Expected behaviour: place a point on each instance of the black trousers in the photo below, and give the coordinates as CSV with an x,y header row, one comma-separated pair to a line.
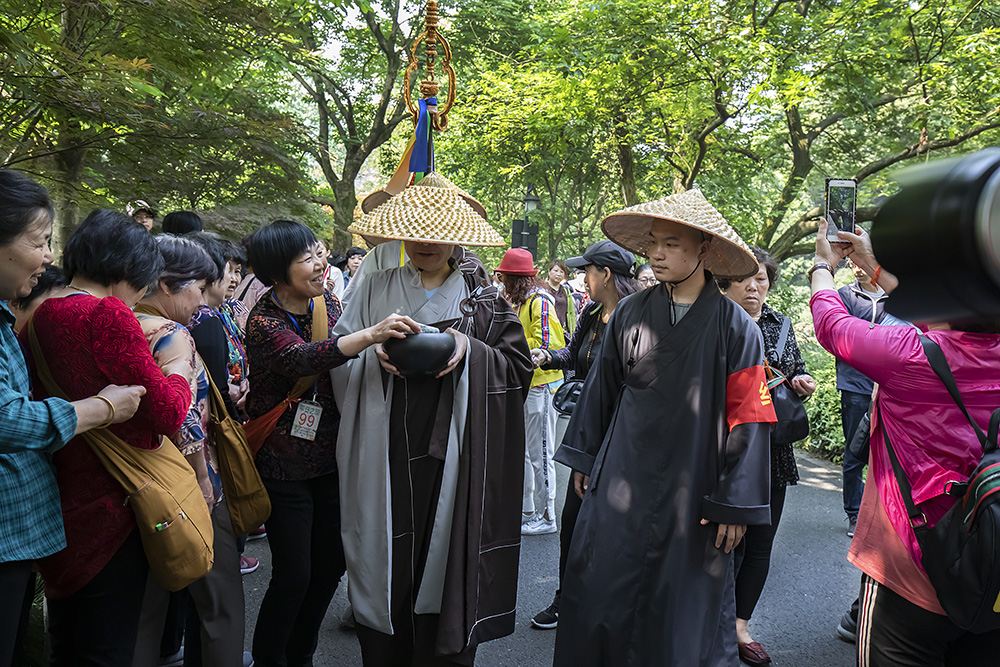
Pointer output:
x,y
753,557
853,407
567,522
307,562
97,625
17,589
894,632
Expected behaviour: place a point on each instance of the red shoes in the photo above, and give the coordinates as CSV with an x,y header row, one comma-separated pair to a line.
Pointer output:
x,y
754,654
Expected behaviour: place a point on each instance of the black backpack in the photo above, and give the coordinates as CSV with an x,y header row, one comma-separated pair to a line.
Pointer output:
x,y
961,552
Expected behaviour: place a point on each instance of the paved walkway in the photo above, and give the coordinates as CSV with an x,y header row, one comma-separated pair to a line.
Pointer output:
x,y
810,586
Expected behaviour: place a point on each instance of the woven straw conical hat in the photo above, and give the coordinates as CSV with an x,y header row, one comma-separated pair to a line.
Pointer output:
x,y
728,255
433,211
379,197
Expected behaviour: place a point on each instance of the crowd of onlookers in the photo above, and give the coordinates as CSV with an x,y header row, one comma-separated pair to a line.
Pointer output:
x,y
406,482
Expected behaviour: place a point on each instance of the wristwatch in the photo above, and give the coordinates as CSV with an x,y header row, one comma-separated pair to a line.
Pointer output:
x,y
820,265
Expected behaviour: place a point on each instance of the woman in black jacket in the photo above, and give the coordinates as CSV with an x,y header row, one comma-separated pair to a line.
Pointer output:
x,y
753,556
609,278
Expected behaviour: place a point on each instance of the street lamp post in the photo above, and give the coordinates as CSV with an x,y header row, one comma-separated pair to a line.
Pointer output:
x,y
524,234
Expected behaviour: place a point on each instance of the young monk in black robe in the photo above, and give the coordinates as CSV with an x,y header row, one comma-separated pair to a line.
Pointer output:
x,y
431,468
672,429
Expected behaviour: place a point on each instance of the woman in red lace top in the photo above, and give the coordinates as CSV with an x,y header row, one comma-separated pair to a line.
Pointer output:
x,y
91,338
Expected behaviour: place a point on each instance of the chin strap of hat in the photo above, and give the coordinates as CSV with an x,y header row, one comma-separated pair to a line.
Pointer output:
x,y
671,284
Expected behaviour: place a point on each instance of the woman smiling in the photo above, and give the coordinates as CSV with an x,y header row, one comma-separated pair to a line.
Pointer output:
x,y
298,465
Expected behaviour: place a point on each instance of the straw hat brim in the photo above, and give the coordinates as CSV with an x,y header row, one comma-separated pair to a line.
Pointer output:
x,y
430,211
728,255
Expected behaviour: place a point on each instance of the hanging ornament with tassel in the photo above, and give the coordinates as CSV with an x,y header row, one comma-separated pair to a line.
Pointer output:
x,y
428,118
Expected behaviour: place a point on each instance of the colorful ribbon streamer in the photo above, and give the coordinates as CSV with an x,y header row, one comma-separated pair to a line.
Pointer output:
x,y
422,158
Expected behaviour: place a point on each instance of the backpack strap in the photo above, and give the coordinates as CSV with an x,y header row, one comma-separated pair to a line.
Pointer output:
x,y
991,435
786,326
935,355
917,518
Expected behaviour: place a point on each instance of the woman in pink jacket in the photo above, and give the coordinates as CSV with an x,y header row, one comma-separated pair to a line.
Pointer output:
x,y
902,622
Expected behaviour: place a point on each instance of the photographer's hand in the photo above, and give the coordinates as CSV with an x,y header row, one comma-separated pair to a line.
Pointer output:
x,y
830,253
826,253
863,255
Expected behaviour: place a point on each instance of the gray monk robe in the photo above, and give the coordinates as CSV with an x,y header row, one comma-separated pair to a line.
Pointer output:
x,y
431,471
683,435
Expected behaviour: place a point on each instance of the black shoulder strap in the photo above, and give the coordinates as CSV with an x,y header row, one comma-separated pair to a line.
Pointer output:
x,y
935,355
917,518
786,326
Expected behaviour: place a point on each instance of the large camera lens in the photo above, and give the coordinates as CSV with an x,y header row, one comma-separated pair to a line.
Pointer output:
x,y
940,235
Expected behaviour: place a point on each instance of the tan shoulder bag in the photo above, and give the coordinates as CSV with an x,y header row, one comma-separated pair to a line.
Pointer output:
x,y
174,522
246,497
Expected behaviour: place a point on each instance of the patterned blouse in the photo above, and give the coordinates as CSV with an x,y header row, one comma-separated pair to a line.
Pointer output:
x,y
171,342
278,354
783,468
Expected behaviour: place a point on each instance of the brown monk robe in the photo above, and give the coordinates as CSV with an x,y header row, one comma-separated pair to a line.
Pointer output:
x,y
433,569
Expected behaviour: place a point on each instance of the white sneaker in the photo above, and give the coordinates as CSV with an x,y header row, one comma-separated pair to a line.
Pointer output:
x,y
528,518
540,526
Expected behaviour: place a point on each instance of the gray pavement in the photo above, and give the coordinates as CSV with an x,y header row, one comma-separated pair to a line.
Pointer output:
x,y
810,586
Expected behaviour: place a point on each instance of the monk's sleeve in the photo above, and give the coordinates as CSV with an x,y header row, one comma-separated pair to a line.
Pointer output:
x,y
743,492
596,405
504,354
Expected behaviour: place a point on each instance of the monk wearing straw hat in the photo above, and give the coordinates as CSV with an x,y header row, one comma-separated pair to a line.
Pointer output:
x,y
431,468
670,440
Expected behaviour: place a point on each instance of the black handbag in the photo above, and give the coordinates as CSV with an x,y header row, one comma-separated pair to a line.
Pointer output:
x,y
566,396
961,552
860,444
793,422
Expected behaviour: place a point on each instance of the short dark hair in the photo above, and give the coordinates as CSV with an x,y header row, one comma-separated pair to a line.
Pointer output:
x,y
184,262
109,247
52,279
763,257
561,264
336,259
274,247
182,222
355,250
234,252
22,203
215,247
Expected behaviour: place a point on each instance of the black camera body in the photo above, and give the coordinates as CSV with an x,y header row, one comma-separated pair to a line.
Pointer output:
x,y
940,235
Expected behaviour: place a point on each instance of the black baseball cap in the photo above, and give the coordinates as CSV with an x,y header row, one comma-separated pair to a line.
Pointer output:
x,y
609,254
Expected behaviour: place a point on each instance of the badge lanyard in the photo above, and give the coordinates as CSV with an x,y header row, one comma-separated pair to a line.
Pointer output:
x,y
305,423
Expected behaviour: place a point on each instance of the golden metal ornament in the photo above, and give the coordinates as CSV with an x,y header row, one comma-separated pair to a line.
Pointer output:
x,y
430,87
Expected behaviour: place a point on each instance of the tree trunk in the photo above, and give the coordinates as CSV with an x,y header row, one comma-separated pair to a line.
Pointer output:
x,y
68,166
343,211
626,161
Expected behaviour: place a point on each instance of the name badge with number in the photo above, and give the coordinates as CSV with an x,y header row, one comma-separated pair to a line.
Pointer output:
x,y
306,420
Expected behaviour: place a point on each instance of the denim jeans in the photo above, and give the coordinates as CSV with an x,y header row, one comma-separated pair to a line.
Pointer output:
x,y
853,407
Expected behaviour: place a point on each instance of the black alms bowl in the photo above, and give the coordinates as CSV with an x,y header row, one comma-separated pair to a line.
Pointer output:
x,y
420,354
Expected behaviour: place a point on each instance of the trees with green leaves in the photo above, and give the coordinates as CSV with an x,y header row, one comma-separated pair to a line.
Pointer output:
x,y
755,104
112,100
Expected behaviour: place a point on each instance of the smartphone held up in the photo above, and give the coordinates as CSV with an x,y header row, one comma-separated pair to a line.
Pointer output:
x,y
841,207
